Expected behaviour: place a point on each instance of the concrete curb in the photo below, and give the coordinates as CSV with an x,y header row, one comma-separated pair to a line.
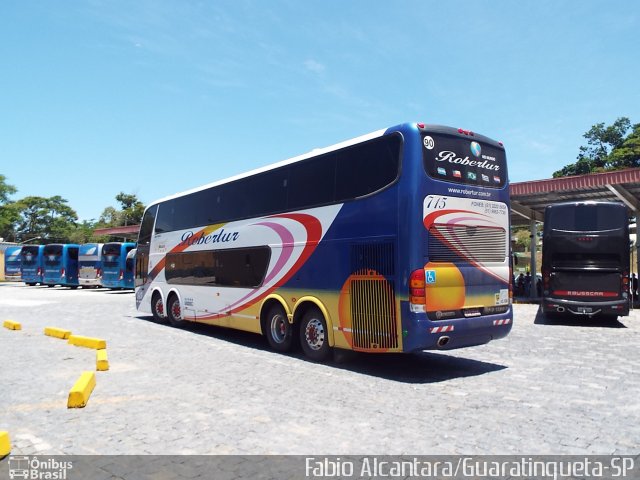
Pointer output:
x,y
57,332
88,342
11,325
5,444
80,392
102,362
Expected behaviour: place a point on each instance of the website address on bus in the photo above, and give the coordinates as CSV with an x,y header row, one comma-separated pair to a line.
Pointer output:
x,y
494,467
469,193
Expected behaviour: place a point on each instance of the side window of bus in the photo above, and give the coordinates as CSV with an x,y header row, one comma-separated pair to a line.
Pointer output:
x,y
241,267
312,182
267,192
146,228
164,220
367,168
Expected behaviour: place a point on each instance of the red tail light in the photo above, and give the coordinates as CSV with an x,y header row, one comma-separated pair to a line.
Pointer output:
x,y
39,271
625,282
62,272
99,272
417,291
121,275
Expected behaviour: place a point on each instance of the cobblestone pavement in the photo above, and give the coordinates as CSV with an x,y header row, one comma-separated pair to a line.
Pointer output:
x,y
560,388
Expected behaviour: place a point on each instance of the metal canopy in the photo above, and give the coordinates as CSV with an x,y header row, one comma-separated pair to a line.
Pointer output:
x,y
130,232
529,199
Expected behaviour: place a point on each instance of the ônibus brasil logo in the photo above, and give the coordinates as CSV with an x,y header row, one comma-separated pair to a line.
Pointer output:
x,y
475,149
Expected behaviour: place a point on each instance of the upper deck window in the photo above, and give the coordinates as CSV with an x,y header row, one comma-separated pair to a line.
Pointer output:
x,y
334,177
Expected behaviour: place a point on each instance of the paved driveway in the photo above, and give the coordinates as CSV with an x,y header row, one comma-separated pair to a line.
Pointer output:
x,y
570,387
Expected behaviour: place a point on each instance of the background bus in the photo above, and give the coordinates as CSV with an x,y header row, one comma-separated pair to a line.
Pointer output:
x,y
90,265
396,241
12,263
61,264
117,271
32,264
585,259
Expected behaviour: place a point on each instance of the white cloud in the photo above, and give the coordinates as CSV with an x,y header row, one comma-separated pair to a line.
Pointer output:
x,y
313,66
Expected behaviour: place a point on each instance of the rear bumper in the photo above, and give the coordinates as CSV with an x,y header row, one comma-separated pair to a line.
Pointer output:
x,y
425,334
585,309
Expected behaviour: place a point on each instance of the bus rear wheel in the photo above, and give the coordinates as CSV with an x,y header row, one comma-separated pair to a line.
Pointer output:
x,y
314,336
174,312
278,329
157,307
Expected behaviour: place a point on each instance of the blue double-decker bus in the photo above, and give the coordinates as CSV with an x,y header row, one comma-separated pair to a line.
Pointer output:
x,y
61,264
396,241
117,271
32,264
12,262
90,265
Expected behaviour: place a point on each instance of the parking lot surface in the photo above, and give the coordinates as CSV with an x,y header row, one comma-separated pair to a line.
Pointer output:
x,y
568,387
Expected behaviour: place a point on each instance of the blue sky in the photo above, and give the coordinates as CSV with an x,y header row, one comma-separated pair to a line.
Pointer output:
x,y
156,97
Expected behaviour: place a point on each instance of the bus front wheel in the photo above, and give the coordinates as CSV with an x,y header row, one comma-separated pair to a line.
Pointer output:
x,y
279,331
314,336
174,312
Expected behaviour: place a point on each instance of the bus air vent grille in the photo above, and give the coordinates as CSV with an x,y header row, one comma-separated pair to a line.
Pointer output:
x,y
454,243
373,256
373,313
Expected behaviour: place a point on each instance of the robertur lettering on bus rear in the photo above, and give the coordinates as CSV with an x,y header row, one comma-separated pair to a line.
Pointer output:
x,y
189,238
447,156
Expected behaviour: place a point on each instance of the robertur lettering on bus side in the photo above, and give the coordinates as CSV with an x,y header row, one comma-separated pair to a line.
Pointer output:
x,y
189,238
448,156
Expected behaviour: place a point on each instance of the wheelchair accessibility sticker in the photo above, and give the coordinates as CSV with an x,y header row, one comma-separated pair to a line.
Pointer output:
x,y
430,276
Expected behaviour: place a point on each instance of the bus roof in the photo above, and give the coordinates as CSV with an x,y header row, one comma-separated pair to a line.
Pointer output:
x,y
585,202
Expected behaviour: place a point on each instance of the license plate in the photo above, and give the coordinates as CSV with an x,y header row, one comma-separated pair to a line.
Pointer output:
x,y
585,310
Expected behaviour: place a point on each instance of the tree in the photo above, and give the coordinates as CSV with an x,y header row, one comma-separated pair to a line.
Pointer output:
x,y
608,148
627,154
132,208
50,218
8,213
131,212
6,190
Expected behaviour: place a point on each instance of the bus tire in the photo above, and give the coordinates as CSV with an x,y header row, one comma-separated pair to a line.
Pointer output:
x,y
314,337
278,329
157,307
174,312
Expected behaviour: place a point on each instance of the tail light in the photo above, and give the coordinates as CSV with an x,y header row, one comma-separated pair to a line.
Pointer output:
x,y
62,272
417,291
625,283
39,273
121,275
99,273
546,278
